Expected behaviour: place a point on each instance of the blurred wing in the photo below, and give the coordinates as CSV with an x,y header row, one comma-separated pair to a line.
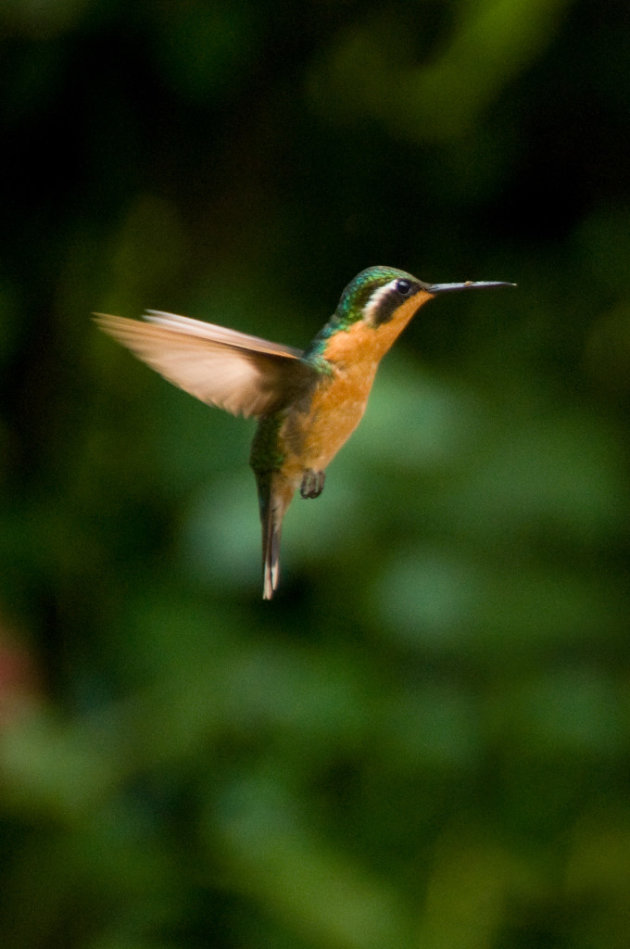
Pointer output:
x,y
219,334
243,374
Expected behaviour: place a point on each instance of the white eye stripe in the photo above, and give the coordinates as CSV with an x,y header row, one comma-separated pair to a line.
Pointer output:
x,y
373,304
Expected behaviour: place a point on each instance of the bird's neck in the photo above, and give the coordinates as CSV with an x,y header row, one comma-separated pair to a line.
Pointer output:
x,y
364,344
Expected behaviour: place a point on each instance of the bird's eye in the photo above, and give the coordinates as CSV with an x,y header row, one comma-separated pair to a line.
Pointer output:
x,y
403,287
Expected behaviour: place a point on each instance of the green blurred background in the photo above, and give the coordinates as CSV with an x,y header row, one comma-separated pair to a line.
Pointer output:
x,y
423,742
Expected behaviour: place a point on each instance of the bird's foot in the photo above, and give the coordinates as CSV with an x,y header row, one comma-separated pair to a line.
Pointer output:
x,y
312,483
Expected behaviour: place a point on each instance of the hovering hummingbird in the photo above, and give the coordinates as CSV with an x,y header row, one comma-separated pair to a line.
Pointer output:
x,y
307,402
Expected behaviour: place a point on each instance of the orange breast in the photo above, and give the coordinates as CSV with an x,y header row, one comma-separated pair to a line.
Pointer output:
x,y
313,437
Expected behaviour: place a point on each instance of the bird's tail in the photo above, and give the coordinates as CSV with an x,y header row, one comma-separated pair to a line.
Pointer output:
x,y
274,494
271,555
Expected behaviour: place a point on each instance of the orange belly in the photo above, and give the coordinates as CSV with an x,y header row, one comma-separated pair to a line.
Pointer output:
x,y
311,437
335,411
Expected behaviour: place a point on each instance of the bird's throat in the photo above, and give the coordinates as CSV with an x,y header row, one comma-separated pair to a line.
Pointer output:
x,y
364,343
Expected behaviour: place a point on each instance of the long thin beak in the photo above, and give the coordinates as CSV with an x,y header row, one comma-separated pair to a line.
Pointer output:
x,y
467,285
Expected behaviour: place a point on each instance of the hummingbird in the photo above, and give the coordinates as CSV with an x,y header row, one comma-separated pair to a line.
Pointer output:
x,y
307,402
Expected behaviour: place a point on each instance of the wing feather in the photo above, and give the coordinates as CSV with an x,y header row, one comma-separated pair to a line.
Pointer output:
x,y
220,334
245,375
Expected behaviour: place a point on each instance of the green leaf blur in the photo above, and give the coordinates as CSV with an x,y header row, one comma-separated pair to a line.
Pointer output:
x,y
423,741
